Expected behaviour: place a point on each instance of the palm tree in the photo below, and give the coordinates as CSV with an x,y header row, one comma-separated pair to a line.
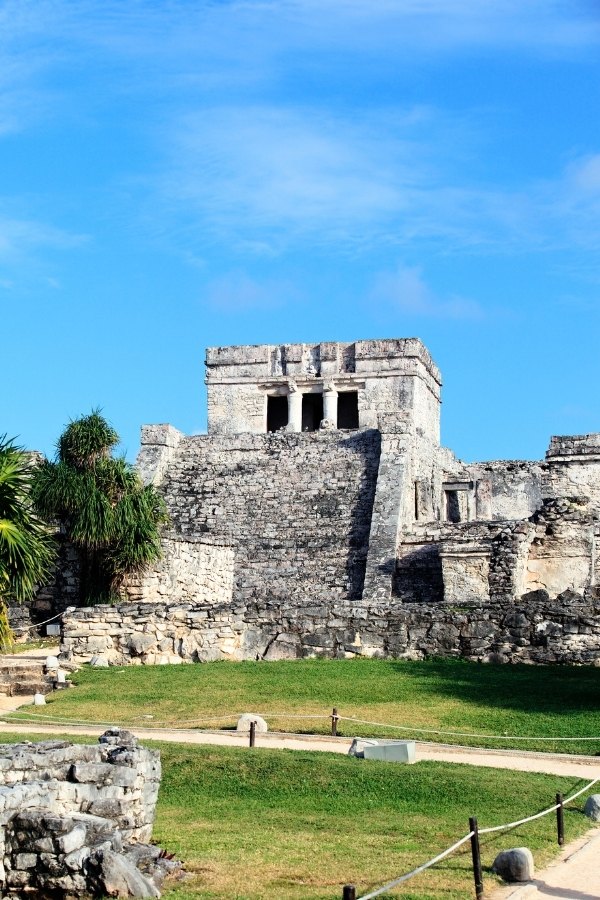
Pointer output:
x,y
26,543
111,518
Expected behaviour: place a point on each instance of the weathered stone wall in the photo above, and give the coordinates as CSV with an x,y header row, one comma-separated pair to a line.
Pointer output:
x,y
390,376
188,571
506,489
66,812
109,779
573,468
535,629
294,508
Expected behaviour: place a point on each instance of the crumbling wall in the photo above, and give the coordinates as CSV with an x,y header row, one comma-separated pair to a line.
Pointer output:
x,y
74,818
562,552
533,629
506,489
573,468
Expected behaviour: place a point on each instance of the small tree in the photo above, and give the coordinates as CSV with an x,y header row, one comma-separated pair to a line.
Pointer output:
x,y
111,518
27,548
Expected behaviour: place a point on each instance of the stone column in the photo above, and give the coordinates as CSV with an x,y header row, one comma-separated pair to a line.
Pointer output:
x,y
483,499
294,407
330,402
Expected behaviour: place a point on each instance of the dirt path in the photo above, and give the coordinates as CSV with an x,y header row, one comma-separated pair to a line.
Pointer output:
x,y
586,767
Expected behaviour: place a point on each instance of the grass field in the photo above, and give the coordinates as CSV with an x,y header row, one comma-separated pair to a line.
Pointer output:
x,y
281,825
446,695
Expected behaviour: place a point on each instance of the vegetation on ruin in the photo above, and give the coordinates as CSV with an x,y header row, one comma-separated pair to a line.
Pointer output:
x,y
26,544
266,824
108,514
437,694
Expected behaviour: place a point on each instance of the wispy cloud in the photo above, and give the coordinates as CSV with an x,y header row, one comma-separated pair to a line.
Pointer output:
x,y
405,290
199,47
243,163
238,292
261,176
18,237
272,169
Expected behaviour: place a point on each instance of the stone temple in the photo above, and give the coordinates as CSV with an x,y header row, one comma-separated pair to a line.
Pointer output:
x,y
320,515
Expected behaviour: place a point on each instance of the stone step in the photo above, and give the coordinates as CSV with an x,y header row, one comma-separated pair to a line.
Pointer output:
x,y
24,678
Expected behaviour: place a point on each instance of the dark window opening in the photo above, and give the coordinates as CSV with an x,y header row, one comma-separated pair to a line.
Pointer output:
x,y
452,506
417,491
312,411
347,416
277,413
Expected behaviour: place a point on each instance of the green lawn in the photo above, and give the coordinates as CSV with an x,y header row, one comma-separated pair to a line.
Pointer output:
x,y
449,695
283,825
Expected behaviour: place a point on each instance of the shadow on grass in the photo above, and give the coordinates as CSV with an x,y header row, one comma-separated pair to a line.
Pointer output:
x,y
556,690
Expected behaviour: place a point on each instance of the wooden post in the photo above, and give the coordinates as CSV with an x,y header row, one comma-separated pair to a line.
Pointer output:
x,y
334,721
349,892
252,733
560,820
477,874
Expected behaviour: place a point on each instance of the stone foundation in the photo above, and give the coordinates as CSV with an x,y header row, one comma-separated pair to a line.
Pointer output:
x,y
534,630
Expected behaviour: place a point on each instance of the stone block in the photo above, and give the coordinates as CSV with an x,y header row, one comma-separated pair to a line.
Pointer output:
x,y
391,751
514,865
245,719
73,840
592,807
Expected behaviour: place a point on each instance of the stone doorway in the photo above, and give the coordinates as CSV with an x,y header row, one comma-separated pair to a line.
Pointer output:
x,y
277,413
312,411
347,414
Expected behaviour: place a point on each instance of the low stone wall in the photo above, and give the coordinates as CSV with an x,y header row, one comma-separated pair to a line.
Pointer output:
x,y
73,818
535,629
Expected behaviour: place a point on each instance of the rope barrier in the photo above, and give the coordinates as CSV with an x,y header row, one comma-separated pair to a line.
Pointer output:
x,y
427,865
280,715
539,815
38,624
495,828
492,737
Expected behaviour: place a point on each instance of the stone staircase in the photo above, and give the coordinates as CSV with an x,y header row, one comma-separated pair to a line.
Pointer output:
x,y
25,675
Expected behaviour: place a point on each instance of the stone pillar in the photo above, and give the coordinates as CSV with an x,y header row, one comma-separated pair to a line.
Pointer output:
x,y
483,499
294,407
330,402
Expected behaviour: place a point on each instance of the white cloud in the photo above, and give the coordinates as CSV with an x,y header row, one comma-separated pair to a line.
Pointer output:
x,y
405,290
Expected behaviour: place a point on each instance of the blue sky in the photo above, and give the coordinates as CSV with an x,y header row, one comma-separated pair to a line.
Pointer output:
x,y
175,175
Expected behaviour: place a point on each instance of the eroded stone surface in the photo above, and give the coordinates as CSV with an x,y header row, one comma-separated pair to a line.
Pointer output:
x,y
74,819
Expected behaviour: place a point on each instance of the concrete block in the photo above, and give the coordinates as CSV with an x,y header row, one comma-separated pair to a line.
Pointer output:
x,y
391,751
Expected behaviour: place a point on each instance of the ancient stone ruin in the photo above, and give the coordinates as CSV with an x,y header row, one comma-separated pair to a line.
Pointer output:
x,y
75,820
320,515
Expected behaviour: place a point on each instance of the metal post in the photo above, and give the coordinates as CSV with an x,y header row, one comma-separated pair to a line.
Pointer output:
x,y
477,873
560,820
349,892
252,733
334,721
